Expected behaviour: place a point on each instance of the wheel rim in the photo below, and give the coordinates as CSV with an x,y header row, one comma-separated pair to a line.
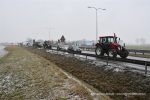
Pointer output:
x,y
98,51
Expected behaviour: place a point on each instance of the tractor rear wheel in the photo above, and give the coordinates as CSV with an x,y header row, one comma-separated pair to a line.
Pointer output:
x,y
99,51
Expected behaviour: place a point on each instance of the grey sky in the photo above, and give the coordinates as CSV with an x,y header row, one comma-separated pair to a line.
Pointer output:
x,y
22,19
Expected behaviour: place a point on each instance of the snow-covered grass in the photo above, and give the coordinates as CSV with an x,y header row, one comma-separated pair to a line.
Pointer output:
x,y
24,75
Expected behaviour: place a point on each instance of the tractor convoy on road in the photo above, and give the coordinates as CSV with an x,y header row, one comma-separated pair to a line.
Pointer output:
x,y
106,45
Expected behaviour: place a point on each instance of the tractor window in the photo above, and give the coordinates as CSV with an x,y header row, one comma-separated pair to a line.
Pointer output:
x,y
107,39
110,39
104,40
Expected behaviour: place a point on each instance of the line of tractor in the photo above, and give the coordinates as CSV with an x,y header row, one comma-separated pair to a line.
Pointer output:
x,y
106,45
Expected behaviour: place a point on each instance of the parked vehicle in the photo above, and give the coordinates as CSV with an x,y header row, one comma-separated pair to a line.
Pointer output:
x,y
74,49
37,45
62,47
47,45
110,45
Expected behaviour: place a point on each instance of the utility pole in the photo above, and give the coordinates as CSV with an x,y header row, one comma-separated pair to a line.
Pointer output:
x,y
50,29
96,9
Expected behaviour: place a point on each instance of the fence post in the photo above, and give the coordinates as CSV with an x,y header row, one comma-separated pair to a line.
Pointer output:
x,y
145,67
107,61
86,57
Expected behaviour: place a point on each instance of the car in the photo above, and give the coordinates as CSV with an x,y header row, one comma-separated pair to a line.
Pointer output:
x,y
37,45
62,47
74,49
47,45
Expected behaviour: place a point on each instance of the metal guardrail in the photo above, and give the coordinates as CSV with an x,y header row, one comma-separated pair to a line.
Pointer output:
x,y
134,61
87,47
139,51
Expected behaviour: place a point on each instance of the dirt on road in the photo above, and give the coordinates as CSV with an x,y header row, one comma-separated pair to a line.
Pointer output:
x,y
118,85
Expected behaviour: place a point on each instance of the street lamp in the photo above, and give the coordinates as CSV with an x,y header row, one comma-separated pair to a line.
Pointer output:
x,y
50,30
96,9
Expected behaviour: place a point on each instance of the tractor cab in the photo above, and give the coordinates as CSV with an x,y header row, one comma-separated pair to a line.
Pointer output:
x,y
108,39
111,46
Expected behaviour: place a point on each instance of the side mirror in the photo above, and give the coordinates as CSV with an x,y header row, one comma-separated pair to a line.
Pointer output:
x,y
119,40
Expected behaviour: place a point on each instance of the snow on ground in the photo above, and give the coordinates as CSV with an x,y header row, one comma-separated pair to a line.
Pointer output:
x,y
2,51
24,75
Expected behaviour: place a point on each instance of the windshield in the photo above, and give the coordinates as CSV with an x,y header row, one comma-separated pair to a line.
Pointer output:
x,y
108,39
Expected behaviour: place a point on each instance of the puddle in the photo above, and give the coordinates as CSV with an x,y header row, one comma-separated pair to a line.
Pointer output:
x,y
2,51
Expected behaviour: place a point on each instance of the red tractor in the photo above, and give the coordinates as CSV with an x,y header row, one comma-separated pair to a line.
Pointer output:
x,y
110,45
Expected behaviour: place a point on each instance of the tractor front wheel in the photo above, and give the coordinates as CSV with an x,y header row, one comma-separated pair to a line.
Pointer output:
x,y
124,54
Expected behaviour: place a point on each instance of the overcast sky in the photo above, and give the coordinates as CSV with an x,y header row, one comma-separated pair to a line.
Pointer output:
x,y
22,19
